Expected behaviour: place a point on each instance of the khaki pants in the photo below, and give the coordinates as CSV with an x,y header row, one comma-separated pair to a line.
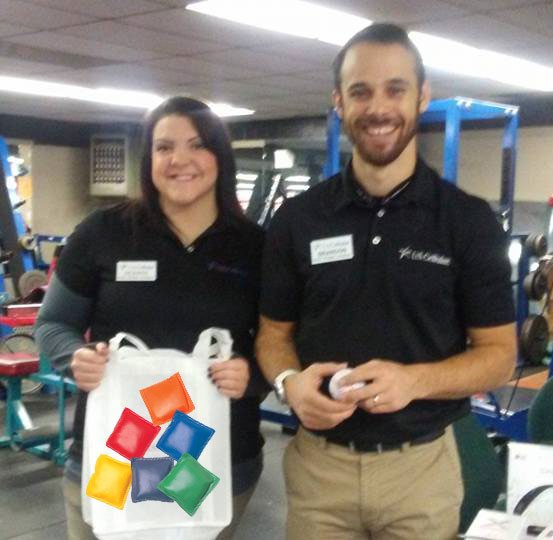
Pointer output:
x,y
335,493
77,529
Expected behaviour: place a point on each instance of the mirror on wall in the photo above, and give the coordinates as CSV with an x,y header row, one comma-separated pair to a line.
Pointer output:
x,y
269,171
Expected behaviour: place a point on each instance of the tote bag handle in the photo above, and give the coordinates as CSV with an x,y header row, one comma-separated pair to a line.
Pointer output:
x,y
214,343
115,342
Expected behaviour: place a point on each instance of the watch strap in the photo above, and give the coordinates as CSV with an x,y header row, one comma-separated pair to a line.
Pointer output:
x,y
278,383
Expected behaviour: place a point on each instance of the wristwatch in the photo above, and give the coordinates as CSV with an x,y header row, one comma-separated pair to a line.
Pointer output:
x,y
278,384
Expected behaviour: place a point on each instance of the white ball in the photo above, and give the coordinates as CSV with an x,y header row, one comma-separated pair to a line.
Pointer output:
x,y
336,391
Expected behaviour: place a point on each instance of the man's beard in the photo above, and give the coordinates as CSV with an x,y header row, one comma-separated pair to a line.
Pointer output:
x,y
375,156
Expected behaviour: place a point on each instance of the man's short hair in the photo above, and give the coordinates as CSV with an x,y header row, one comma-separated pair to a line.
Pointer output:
x,y
386,33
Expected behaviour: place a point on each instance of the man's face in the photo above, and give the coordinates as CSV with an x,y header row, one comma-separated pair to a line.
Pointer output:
x,y
379,100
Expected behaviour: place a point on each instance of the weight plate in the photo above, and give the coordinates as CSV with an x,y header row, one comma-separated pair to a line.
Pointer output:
x,y
536,244
535,285
533,340
31,280
28,242
539,285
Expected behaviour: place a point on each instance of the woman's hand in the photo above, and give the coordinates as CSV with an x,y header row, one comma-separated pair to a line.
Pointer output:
x,y
231,377
88,366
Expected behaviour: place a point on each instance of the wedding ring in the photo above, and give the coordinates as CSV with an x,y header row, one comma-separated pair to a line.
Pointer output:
x,y
375,399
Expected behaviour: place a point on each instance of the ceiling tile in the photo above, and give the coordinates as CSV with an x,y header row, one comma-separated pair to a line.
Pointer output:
x,y
22,68
55,59
536,18
489,5
188,23
541,55
398,11
292,84
466,86
141,38
308,51
194,70
66,109
10,29
251,59
125,76
228,90
323,77
483,31
406,12
39,17
174,3
260,96
320,101
67,43
104,9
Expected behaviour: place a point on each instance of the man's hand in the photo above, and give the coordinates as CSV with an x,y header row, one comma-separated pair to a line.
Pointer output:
x,y
88,366
314,409
231,376
390,386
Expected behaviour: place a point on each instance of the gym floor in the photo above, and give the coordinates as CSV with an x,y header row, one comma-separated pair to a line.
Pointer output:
x,y
31,501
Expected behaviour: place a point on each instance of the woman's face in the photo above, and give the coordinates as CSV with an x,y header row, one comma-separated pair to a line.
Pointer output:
x,y
183,170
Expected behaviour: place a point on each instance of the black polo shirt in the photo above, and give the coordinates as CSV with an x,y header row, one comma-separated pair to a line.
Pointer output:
x,y
399,278
212,283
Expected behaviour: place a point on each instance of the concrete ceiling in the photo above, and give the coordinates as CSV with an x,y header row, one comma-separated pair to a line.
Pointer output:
x,y
159,46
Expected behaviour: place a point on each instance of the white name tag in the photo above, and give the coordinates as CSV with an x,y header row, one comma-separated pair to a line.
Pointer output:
x,y
336,248
136,271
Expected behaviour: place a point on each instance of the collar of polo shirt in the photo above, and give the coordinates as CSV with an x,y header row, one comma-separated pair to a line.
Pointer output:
x,y
415,189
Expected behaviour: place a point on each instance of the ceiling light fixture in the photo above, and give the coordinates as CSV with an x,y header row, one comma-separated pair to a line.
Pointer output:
x,y
246,177
309,20
298,178
244,185
108,96
455,57
295,17
224,109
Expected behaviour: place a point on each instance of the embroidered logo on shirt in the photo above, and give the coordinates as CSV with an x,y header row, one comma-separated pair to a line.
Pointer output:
x,y
423,256
218,267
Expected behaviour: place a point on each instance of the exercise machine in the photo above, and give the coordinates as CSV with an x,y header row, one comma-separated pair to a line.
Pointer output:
x,y
19,360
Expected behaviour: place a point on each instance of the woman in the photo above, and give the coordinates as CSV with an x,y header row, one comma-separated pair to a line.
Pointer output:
x,y
196,265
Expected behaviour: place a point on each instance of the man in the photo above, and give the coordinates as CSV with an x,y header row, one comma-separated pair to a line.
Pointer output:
x,y
390,270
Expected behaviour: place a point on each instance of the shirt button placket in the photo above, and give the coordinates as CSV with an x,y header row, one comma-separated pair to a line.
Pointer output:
x,y
376,239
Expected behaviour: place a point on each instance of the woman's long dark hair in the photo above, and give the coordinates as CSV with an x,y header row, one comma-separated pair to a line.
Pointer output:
x,y
214,136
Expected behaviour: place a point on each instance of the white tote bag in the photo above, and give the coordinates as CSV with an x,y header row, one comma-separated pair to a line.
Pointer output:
x,y
128,370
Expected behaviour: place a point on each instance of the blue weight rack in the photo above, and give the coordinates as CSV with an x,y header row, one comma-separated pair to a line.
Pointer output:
x,y
452,112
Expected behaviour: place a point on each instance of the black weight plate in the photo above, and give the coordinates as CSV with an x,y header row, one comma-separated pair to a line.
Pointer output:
x,y
539,285
536,244
534,337
535,285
